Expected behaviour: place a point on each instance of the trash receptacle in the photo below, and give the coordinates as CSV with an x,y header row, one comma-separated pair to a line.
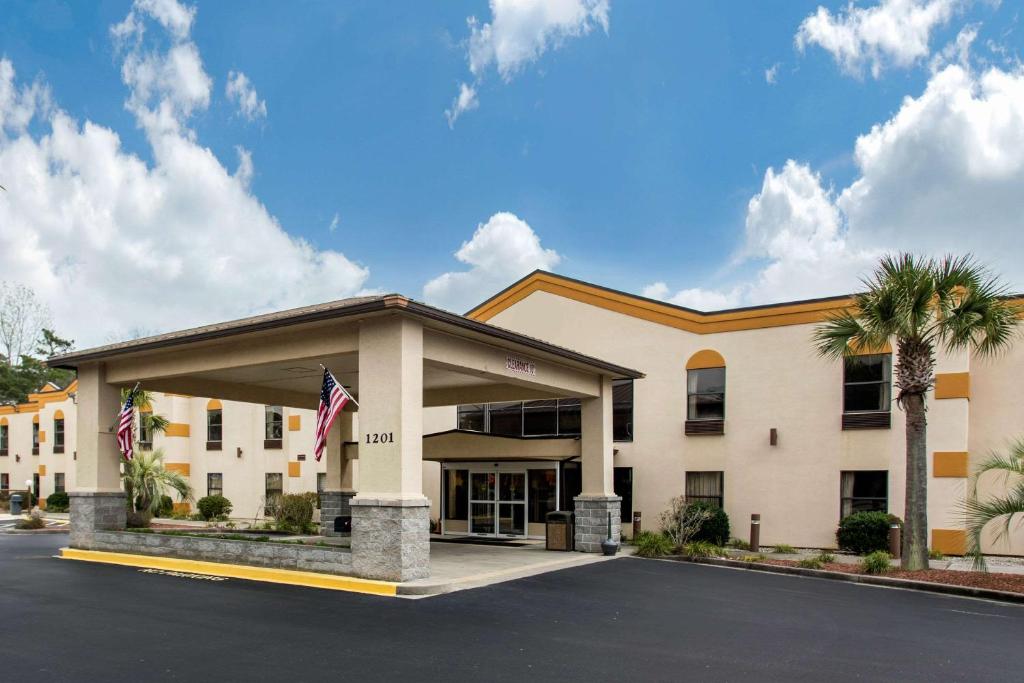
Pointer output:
x,y
16,504
560,531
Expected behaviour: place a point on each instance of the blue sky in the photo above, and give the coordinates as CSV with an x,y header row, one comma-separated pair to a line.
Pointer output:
x,y
625,148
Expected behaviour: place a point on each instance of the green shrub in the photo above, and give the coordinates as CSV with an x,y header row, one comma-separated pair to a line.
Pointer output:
x,y
739,544
213,506
784,549
651,544
876,563
811,562
865,532
166,508
702,549
58,502
714,529
826,557
935,554
753,558
295,513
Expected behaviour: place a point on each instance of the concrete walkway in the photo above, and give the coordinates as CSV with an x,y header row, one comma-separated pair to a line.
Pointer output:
x,y
995,563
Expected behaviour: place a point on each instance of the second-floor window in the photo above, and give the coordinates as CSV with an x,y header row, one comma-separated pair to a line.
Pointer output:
x,y
214,426
867,383
4,437
58,435
145,430
273,422
35,438
705,394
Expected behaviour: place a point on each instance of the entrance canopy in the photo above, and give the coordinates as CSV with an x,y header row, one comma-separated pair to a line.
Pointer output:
x,y
458,445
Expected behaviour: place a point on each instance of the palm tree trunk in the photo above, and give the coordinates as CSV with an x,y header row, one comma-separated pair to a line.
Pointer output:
x,y
914,549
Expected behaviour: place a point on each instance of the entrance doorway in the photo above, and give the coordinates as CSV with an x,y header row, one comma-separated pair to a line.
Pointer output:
x,y
497,504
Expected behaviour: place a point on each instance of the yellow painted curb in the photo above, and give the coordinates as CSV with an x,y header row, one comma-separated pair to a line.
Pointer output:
x,y
289,577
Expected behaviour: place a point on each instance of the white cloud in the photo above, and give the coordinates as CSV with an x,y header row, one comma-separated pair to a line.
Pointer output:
x,y
944,174
771,74
891,33
335,222
519,32
111,242
502,250
239,89
465,101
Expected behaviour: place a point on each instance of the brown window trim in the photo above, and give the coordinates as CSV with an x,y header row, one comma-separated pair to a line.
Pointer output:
x,y
876,419
273,443
705,427
58,449
35,450
214,445
145,445
3,452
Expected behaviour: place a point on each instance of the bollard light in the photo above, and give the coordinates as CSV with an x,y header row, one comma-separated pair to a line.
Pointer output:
x,y
755,532
894,540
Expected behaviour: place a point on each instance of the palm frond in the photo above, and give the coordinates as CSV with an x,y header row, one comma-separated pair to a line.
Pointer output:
x,y
979,514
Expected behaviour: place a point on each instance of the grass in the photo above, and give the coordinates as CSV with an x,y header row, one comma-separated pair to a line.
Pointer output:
x,y
752,558
739,544
702,549
935,555
651,544
876,563
784,549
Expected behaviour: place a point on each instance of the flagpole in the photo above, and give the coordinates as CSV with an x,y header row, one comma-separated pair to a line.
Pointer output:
x,y
350,396
131,394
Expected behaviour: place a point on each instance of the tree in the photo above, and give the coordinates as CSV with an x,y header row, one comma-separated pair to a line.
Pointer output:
x,y
148,420
146,480
1004,508
22,319
921,304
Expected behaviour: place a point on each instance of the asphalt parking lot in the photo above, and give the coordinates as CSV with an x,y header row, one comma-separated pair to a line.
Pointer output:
x,y
631,619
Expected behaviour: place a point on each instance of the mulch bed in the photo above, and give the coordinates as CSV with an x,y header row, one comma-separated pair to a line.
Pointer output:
x,y
1012,583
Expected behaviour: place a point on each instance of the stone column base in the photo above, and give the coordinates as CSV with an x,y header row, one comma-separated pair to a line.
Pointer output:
x,y
391,538
592,521
334,504
93,512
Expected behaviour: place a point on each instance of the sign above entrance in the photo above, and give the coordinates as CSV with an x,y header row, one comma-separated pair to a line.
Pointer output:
x,y
520,365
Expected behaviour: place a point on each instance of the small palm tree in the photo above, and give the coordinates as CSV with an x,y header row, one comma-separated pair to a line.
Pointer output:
x,y
1005,508
146,480
921,304
143,408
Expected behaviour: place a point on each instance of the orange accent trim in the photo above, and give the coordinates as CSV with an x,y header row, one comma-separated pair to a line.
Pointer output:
x,y
858,350
658,312
178,429
42,436
706,358
294,423
181,507
214,404
949,541
3,421
294,469
58,414
182,468
949,464
42,470
167,393
953,385
41,503
35,420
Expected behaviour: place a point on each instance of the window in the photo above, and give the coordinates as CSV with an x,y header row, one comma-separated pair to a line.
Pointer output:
x,y
274,490
570,417
472,417
35,438
863,491
321,483
543,487
506,418
273,426
146,430
214,484
540,418
623,483
705,486
456,495
5,481
866,383
214,428
622,410
58,433
4,438
705,394
58,482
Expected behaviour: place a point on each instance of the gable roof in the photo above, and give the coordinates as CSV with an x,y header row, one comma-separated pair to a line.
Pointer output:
x,y
691,320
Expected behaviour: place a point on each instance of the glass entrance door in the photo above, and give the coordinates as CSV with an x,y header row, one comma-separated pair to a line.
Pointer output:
x,y
497,503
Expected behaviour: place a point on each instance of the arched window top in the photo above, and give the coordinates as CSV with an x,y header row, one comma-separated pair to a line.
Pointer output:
x,y
58,415
146,409
214,404
35,419
3,421
859,350
705,358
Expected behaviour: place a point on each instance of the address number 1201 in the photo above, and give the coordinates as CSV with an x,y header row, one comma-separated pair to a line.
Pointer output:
x,y
380,437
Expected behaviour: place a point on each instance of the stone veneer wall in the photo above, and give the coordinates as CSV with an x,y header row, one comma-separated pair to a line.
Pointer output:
x,y
334,504
592,521
391,538
255,553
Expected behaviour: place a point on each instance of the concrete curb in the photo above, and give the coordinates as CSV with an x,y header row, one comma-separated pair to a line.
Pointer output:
x,y
867,579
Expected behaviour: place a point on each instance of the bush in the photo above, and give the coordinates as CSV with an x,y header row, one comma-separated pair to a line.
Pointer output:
x,y
739,544
784,549
714,529
876,563
58,502
34,521
702,549
295,513
865,532
651,544
166,508
213,506
811,562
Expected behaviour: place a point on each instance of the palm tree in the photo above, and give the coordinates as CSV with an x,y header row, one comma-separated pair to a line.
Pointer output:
x,y
921,304
143,408
980,513
146,480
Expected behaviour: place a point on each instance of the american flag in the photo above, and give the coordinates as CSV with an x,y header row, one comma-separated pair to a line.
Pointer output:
x,y
333,398
125,427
